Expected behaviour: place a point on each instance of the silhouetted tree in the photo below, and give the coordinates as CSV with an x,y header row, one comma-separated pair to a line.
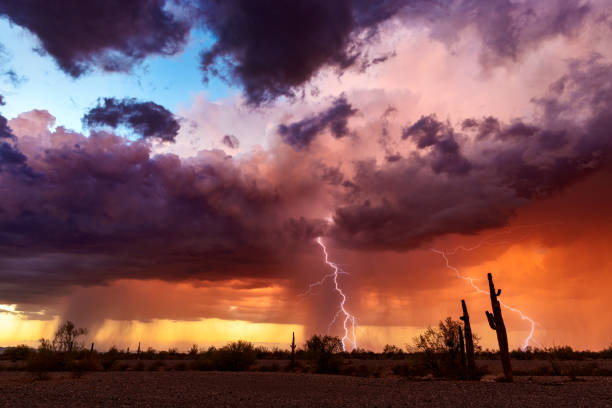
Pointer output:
x,y
66,336
323,350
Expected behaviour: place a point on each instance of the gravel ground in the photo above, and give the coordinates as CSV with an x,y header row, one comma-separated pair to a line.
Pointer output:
x,y
253,389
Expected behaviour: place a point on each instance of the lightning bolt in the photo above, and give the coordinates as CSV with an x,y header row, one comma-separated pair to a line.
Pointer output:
x,y
470,280
349,321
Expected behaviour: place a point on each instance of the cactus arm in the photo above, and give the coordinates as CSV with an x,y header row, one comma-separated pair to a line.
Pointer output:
x,y
491,320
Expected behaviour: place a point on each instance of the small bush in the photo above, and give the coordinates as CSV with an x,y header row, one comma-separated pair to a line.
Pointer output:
x,y
88,363
323,350
18,353
193,351
44,360
110,358
393,352
236,356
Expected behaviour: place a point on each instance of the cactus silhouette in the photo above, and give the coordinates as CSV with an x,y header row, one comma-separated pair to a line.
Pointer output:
x,y
469,341
496,322
461,349
293,350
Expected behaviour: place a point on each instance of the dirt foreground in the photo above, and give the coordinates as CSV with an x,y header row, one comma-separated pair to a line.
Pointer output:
x,y
254,389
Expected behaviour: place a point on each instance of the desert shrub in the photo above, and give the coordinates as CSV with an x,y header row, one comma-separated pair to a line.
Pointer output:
x,y
235,356
18,353
563,353
193,351
392,351
323,351
149,354
361,354
439,349
606,353
44,360
262,352
110,358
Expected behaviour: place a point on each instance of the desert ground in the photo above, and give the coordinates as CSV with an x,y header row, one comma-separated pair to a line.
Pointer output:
x,y
171,388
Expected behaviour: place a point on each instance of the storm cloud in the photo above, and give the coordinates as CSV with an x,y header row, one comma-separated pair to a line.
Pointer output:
x,y
147,119
104,207
108,35
463,183
272,48
300,134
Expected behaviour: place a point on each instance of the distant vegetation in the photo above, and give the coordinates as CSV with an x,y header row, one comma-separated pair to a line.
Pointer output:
x,y
434,353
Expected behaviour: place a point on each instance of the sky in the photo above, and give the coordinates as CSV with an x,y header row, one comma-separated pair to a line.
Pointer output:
x,y
193,171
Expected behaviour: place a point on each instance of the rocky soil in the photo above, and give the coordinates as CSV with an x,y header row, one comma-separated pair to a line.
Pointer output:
x,y
256,389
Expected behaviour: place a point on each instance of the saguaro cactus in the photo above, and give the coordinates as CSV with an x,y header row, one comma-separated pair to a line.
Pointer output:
x,y
293,350
469,341
496,322
461,348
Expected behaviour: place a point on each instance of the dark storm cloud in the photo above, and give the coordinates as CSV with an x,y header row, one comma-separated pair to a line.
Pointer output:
x,y
11,159
10,156
110,35
231,141
147,119
5,131
300,134
402,204
444,153
272,47
104,208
